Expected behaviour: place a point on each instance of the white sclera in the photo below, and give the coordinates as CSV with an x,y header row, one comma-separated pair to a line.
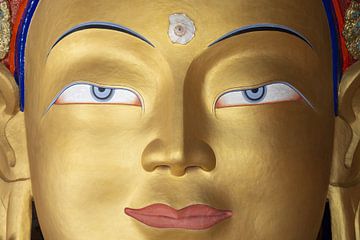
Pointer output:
x,y
82,94
277,92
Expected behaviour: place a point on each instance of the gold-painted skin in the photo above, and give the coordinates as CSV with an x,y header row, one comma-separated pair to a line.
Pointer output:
x,y
5,29
273,165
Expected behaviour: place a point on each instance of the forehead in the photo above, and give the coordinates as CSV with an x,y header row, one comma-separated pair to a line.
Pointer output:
x,y
212,18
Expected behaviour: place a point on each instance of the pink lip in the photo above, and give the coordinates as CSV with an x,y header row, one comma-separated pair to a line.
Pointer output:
x,y
194,217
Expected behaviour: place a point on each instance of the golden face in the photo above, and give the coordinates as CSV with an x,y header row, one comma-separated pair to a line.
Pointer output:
x,y
244,126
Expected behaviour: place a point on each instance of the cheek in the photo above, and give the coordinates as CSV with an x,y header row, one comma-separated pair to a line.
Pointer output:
x,y
272,169
275,162
83,166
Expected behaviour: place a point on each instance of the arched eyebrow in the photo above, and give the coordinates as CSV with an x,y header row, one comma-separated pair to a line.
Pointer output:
x,y
262,27
101,25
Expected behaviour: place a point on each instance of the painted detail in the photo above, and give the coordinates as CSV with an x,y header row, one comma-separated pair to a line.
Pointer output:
x,y
84,93
266,94
181,29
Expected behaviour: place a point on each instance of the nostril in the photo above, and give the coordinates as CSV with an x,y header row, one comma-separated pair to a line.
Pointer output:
x,y
158,156
162,168
197,168
178,158
202,156
153,167
152,156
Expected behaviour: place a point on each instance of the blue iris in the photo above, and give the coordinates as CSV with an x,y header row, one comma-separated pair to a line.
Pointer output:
x,y
255,95
102,94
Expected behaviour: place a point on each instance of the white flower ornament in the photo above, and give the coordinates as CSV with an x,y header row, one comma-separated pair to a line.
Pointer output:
x,y
181,29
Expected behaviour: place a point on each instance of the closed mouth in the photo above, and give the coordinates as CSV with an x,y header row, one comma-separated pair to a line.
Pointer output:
x,y
194,217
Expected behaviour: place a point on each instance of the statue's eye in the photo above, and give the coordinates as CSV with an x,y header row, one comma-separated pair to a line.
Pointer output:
x,y
272,93
91,94
102,94
255,95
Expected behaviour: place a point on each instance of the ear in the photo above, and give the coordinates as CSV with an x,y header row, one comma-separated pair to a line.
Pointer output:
x,y
344,190
15,188
346,157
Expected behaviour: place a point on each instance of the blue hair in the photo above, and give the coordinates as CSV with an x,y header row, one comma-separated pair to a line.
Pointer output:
x,y
336,51
20,48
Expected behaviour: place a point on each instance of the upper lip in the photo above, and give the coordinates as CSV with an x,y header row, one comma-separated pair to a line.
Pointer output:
x,y
194,217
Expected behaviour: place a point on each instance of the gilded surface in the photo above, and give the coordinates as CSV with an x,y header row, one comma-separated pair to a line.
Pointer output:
x,y
246,126
352,29
5,29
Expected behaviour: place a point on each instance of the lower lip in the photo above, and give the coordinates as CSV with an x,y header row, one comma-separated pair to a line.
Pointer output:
x,y
195,217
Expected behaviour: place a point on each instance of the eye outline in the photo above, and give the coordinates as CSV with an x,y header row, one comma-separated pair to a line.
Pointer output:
x,y
243,89
93,84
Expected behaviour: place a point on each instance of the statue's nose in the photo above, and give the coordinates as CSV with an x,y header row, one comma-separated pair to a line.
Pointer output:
x,y
178,156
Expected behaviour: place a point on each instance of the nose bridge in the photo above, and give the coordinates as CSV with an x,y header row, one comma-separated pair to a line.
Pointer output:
x,y
168,149
176,146
174,132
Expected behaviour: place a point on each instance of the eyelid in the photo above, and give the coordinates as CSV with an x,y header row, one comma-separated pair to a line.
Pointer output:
x,y
241,89
96,85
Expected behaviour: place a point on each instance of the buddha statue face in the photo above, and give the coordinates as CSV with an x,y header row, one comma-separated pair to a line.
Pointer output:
x,y
217,125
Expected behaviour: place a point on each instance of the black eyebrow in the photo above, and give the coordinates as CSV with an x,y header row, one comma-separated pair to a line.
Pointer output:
x,y
262,27
101,25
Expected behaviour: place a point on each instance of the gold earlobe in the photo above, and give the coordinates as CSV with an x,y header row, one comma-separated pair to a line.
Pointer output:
x,y
15,186
15,210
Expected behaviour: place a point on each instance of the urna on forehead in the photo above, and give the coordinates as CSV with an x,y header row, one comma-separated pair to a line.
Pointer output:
x,y
182,29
